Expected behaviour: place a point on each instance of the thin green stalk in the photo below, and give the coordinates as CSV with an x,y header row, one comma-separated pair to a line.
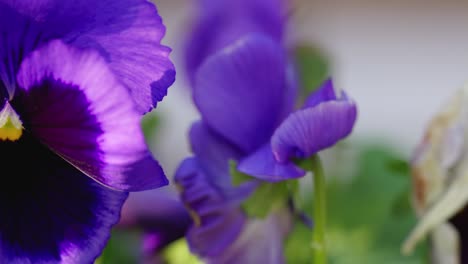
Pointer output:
x,y
318,236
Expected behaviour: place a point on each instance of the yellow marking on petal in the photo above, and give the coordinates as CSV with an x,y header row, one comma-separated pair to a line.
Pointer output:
x,y
11,127
192,213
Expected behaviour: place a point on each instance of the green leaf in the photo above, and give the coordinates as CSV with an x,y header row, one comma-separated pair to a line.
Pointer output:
x,y
238,177
266,197
124,246
313,67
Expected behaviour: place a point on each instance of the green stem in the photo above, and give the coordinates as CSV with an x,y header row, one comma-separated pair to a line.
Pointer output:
x,y
318,236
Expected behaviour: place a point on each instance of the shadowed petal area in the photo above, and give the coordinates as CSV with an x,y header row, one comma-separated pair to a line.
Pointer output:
x,y
241,91
127,33
159,213
213,154
217,220
220,23
70,100
262,165
310,130
325,93
261,241
50,211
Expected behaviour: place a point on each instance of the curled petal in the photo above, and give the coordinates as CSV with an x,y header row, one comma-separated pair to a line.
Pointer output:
x,y
51,212
243,90
263,165
307,131
71,101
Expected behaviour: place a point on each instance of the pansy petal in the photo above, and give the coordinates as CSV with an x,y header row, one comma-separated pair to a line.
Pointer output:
x,y
70,100
325,93
217,220
307,131
261,241
213,154
51,212
127,33
263,165
234,19
241,91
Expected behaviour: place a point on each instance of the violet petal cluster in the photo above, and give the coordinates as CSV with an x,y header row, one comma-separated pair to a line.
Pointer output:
x,y
75,79
245,88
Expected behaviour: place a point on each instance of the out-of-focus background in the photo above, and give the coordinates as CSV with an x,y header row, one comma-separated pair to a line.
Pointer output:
x,y
400,61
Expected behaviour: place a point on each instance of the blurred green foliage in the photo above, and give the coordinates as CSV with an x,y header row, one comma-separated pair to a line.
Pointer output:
x,y
369,214
124,246
179,253
149,125
267,196
313,67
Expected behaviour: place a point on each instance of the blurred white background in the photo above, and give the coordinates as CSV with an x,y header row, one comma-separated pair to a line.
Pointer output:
x,y
400,60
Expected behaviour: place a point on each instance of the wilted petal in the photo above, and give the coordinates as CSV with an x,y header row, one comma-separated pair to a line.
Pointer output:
x,y
127,33
73,104
217,220
51,212
445,245
439,171
263,165
242,91
307,131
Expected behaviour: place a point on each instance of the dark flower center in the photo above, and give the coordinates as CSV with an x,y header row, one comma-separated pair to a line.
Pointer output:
x,y
48,208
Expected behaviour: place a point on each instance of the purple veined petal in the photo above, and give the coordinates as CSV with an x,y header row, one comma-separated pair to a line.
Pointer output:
x,y
217,220
127,33
217,24
241,91
129,36
307,131
213,154
70,100
263,165
325,93
18,38
159,213
261,241
51,212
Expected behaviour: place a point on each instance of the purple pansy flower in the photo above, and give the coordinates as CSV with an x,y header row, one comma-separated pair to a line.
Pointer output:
x,y
245,88
75,79
246,94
